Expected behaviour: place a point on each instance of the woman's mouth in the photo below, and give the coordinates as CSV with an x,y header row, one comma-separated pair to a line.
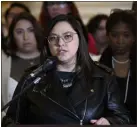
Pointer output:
x,y
27,44
61,52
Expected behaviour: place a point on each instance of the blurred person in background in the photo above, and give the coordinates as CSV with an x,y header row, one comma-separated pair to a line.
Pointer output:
x,y
25,42
5,60
134,7
97,28
51,9
121,55
14,10
4,30
74,91
4,46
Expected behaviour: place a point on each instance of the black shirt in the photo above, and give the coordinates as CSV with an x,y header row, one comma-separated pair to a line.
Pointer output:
x,y
66,79
122,85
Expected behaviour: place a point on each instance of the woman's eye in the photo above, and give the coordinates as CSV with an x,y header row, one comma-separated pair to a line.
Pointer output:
x,y
68,36
31,30
126,35
19,31
52,38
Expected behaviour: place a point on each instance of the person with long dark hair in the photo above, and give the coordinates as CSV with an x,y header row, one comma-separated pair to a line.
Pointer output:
x,y
97,28
24,46
74,91
121,55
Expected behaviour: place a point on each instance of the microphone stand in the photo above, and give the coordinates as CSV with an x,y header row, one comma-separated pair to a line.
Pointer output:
x,y
34,82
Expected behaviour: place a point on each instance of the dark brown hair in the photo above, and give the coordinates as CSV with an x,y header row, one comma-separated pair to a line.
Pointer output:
x,y
83,59
37,31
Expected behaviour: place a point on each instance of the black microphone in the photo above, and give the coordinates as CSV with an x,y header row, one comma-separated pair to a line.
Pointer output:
x,y
46,66
37,74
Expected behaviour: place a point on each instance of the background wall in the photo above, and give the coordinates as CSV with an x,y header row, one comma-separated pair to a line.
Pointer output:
x,y
86,9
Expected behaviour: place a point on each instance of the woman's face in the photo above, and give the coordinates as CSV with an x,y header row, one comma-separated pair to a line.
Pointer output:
x,y
100,34
24,36
121,38
57,9
63,42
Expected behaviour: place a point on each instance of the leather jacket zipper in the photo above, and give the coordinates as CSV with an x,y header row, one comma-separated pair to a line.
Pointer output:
x,y
74,114
81,120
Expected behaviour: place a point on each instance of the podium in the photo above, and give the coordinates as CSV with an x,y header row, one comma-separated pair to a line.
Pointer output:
x,y
72,126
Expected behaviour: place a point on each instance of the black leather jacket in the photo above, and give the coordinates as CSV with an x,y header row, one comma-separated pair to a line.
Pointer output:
x,y
47,103
131,99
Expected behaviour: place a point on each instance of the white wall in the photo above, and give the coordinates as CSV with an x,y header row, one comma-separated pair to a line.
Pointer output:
x,y
89,9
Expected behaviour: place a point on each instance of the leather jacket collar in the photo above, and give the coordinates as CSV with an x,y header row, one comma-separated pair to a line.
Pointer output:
x,y
51,88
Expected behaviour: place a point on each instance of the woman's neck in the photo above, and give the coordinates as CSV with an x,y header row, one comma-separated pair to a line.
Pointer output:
x,y
122,57
67,66
27,55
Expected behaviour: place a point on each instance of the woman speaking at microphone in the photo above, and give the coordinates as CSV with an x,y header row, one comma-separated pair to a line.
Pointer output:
x,y
75,91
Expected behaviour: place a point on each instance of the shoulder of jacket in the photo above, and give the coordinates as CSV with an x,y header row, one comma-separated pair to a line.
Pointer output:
x,y
104,67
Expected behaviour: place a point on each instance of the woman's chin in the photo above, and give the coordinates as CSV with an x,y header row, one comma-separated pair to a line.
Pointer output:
x,y
63,59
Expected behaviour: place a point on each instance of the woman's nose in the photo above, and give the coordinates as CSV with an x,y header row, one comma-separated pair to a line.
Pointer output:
x,y
26,36
61,42
120,40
